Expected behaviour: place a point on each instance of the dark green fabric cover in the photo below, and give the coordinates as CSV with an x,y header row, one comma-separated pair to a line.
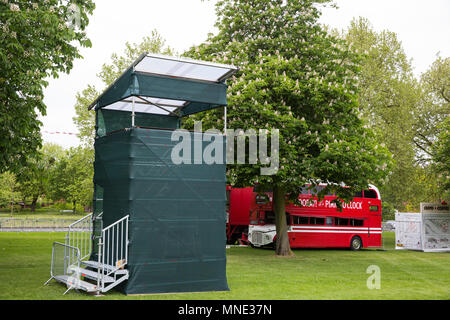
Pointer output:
x,y
112,120
177,212
200,95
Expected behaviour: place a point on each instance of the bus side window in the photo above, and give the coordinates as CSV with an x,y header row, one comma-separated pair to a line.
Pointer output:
x,y
356,222
270,217
317,221
299,220
294,220
329,221
371,194
341,221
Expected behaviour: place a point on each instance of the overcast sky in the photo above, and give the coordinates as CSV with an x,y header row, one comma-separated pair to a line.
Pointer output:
x,y
423,27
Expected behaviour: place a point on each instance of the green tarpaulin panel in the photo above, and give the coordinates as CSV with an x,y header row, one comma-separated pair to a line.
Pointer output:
x,y
167,85
177,212
136,84
112,120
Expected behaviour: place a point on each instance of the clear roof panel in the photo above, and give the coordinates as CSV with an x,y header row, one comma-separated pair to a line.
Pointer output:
x,y
141,106
184,68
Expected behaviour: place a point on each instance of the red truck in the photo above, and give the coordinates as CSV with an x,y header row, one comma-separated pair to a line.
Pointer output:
x,y
239,202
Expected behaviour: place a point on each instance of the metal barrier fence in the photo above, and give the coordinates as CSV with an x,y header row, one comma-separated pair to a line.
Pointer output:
x,y
65,265
35,224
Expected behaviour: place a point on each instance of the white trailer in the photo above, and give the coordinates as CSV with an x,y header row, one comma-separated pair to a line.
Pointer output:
x,y
426,231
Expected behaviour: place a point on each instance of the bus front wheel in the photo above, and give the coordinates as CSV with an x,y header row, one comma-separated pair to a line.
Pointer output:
x,y
356,243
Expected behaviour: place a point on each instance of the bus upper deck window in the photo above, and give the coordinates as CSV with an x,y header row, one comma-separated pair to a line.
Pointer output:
x,y
358,194
304,190
371,194
315,190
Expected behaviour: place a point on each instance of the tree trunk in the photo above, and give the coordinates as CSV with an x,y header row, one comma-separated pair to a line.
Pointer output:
x,y
12,201
282,246
74,207
33,204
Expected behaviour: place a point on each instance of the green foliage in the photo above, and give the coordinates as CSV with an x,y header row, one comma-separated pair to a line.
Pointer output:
x,y
84,119
9,193
37,41
72,178
403,112
432,124
387,211
295,77
34,177
434,108
441,158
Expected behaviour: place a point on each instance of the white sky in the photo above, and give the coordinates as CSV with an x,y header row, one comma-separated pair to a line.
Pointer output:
x,y
423,27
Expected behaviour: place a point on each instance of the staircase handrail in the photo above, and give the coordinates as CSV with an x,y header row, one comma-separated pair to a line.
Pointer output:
x,y
108,244
80,235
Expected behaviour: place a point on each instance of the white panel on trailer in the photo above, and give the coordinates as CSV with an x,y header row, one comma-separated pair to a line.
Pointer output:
x,y
428,230
436,232
408,228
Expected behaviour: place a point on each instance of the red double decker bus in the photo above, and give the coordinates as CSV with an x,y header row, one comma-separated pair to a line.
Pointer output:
x,y
318,224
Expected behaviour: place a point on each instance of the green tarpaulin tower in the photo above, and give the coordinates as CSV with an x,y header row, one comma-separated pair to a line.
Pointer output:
x,y
176,211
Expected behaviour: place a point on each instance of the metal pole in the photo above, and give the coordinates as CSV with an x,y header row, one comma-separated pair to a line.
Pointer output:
x,y
117,242
132,113
99,257
65,253
126,240
225,121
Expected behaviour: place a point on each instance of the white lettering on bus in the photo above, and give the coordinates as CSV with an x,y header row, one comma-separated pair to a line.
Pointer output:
x,y
354,205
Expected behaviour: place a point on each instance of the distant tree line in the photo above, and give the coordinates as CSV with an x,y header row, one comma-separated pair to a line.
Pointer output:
x,y
54,175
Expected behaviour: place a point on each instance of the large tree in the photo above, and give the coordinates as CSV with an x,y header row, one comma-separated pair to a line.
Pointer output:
x,y
9,193
389,98
72,177
39,39
84,119
295,77
441,158
34,177
434,108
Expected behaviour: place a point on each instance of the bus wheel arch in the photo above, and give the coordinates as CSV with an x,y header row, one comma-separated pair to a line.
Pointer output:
x,y
356,243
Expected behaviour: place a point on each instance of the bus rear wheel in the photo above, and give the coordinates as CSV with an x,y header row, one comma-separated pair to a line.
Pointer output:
x,y
356,243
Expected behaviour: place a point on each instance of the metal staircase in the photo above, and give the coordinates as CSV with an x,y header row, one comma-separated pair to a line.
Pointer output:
x,y
75,264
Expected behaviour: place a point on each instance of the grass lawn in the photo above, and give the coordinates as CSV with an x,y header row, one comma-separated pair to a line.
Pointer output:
x,y
252,273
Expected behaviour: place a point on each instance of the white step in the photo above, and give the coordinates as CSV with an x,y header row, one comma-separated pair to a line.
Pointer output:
x,y
90,274
77,283
107,267
95,264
